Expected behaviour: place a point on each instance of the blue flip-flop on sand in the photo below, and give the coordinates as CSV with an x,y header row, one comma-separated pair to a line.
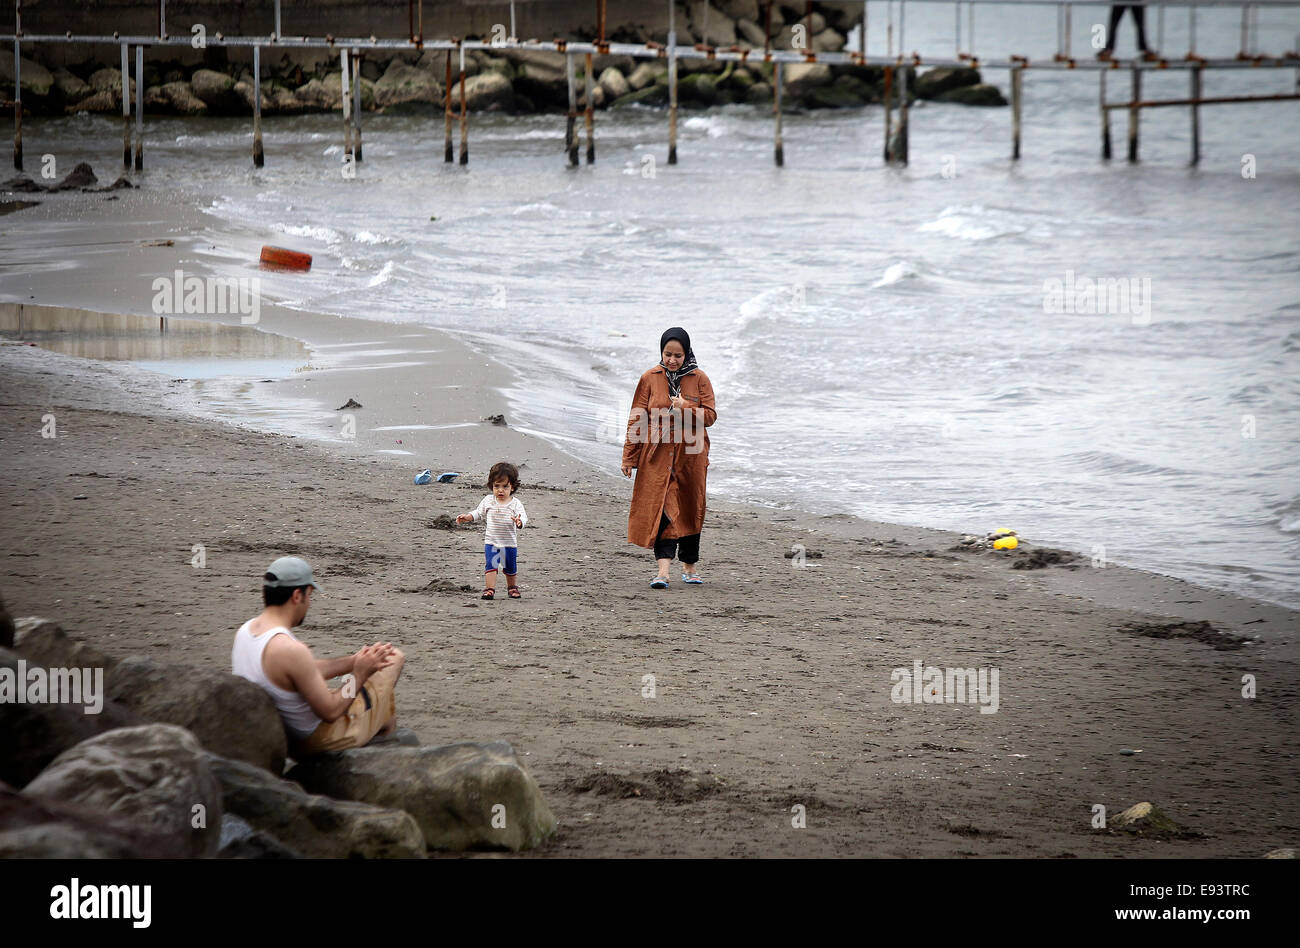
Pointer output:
x,y
658,583
693,580
424,477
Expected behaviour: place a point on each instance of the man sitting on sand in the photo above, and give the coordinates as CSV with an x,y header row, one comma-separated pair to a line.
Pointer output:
x,y
269,655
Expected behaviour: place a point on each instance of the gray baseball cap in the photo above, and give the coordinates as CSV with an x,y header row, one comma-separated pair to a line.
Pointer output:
x,y
289,571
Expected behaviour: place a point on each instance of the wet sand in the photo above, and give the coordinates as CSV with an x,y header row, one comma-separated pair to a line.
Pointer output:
x,y
772,682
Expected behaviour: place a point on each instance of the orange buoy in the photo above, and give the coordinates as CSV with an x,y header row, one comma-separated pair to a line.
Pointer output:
x,y
291,259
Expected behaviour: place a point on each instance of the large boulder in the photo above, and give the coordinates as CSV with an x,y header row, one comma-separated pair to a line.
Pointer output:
x,y
34,829
464,796
614,83
656,94
1145,819
798,79
646,74
71,87
174,98
828,41
749,33
46,643
109,79
406,87
154,778
932,82
240,841
712,25
981,94
697,89
315,826
739,9
34,733
110,100
244,89
38,83
217,91
229,715
326,95
487,92
6,626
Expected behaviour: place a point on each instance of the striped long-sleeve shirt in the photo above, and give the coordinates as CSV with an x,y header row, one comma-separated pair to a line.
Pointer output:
x,y
501,530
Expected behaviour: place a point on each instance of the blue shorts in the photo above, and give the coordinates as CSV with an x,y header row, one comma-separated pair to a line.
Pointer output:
x,y
495,557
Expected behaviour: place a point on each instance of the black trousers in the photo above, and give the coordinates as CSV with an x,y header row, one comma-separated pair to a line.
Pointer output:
x,y
687,549
1139,17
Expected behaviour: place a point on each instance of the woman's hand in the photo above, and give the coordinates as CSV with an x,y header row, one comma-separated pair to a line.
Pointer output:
x,y
677,402
627,469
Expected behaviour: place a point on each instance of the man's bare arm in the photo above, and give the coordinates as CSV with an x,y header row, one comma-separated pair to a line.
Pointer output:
x,y
304,671
333,667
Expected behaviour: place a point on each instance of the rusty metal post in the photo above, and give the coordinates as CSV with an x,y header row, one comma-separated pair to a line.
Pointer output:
x,y
356,105
590,121
126,109
346,88
777,76
672,85
1135,96
464,113
570,126
1105,118
889,114
1196,116
1017,76
139,108
18,108
448,151
258,158
900,152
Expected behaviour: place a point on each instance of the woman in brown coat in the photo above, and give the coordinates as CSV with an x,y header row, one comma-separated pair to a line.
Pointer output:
x,y
668,444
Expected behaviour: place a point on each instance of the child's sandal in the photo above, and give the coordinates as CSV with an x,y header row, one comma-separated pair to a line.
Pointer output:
x,y
515,593
489,594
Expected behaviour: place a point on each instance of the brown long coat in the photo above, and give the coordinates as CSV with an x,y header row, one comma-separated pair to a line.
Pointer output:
x,y
670,451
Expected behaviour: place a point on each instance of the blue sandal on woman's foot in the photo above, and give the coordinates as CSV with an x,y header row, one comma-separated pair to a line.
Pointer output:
x,y
692,578
659,582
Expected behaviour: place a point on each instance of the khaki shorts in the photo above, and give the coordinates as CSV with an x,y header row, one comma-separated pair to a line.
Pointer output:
x,y
370,710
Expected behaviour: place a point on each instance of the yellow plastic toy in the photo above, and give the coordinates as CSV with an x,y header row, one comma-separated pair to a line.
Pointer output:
x,y
1006,543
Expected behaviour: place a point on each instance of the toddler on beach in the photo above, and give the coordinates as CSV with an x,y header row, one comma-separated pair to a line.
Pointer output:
x,y
505,516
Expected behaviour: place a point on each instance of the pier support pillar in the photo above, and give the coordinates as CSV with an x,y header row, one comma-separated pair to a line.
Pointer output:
x,y
448,151
1135,96
346,72
464,113
1105,117
139,107
356,106
672,96
1196,116
889,114
571,124
258,158
1017,99
588,115
18,109
126,109
778,75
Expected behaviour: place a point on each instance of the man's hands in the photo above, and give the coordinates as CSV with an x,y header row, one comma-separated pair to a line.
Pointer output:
x,y
627,469
371,659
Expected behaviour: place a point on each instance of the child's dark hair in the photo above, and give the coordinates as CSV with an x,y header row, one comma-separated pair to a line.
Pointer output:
x,y
504,469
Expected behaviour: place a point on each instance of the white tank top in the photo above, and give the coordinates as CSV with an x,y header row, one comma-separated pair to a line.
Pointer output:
x,y
246,662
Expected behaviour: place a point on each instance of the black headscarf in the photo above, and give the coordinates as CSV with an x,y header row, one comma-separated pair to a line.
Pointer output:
x,y
688,366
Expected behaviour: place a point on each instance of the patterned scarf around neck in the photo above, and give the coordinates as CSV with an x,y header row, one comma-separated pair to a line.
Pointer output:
x,y
675,378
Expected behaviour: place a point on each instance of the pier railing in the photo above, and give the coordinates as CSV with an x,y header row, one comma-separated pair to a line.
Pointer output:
x,y
898,66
